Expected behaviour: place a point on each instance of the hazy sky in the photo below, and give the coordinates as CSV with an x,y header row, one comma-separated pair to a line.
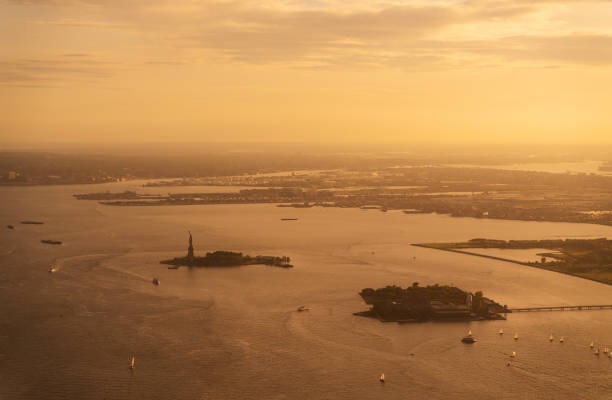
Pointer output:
x,y
342,71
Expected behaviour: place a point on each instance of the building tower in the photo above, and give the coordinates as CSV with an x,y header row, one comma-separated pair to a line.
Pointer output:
x,y
190,248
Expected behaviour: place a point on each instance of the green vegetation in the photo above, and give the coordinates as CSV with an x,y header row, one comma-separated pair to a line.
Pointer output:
x,y
585,258
229,259
422,303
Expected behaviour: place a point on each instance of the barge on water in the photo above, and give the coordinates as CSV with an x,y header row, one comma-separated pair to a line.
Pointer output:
x,y
48,241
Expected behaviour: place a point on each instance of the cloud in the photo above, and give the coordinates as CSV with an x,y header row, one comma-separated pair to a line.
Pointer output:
x,y
331,34
575,48
73,23
53,70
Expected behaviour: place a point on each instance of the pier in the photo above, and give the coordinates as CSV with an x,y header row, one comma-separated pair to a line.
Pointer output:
x,y
563,308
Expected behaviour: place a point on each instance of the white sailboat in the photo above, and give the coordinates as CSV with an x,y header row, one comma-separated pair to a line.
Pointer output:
x,y
513,355
132,362
515,336
501,331
382,378
561,340
592,344
551,338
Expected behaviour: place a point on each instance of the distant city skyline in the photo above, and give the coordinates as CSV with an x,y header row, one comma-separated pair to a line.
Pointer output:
x,y
444,71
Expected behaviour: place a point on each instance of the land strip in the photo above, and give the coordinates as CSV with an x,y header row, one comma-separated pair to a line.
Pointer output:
x,y
584,258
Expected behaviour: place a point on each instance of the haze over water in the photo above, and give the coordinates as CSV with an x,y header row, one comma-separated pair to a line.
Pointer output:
x,y
234,333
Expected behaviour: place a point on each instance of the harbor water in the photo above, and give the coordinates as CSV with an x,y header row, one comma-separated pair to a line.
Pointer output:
x,y
234,333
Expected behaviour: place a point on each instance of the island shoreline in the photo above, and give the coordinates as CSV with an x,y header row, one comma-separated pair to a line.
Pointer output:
x,y
424,245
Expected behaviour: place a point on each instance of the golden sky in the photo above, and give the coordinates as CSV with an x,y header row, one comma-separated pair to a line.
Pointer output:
x,y
306,71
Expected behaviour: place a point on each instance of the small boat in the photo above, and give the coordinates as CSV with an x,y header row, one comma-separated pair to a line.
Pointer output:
x,y
132,362
52,269
10,227
592,344
289,219
596,352
606,350
155,281
515,336
173,266
303,308
513,355
49,241
501,331
551,338
468,339
561,340
382,378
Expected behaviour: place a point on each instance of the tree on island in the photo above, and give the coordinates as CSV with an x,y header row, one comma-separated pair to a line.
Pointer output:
x,y
426,302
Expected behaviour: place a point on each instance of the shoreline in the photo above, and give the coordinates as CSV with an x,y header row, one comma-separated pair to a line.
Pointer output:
x,y
508,260
372,314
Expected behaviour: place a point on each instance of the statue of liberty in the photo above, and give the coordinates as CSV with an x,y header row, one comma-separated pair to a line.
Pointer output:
x,y
190,248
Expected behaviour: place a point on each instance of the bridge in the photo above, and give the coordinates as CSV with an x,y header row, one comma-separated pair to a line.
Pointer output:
x,y
564,308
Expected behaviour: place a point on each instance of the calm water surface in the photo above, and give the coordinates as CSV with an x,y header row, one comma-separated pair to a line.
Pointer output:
x,y
234,333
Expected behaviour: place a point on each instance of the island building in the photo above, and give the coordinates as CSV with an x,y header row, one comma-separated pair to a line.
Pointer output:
x,y
451,310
